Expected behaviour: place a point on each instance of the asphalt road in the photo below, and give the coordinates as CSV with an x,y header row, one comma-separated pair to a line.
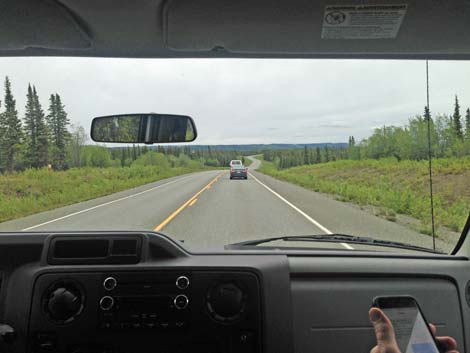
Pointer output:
x,y
208,210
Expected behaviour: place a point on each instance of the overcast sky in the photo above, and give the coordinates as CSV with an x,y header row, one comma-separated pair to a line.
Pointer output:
x,y
247,101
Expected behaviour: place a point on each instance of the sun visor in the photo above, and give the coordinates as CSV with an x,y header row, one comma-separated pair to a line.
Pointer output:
x,y
39,24
318,27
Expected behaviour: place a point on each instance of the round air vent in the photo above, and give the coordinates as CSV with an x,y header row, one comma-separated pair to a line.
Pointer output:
x,y
63,301
226,302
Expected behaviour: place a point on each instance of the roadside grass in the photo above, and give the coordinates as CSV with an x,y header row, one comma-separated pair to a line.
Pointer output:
x,y
247,162
33,191
394,187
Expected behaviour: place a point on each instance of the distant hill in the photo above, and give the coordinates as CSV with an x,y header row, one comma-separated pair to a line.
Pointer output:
x,y
247,148
260,147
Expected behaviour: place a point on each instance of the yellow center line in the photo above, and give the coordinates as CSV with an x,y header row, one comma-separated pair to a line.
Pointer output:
x,y
192,200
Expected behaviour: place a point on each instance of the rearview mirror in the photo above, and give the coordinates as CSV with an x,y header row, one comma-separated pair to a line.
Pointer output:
x,y
143,128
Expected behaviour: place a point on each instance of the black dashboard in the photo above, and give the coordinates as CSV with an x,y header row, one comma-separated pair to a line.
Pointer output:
x,y
138,292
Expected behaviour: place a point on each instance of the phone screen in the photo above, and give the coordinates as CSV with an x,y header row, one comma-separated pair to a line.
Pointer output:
x,y
411,330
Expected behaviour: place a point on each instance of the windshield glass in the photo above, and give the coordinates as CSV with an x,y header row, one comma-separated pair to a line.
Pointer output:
x,y
330,146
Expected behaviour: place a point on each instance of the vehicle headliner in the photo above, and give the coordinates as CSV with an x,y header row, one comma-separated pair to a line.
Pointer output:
x,y
436,29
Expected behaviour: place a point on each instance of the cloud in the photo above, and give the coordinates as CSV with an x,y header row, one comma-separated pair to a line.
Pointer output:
x,y
247,100
335,125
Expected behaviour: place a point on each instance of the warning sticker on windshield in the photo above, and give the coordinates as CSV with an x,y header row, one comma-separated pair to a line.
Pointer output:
x,y
362,21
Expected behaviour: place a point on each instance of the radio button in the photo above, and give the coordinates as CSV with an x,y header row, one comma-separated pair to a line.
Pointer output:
x,y
110,283
181,302
182,282
180,324
125,325
149,325
106,303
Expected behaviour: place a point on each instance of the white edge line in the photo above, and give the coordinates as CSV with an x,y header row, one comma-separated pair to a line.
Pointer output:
x,y
326,230
104,204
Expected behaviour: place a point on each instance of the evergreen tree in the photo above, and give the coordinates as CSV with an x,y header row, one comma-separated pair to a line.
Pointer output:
x,y
134,153
427,114
306,160
42,144
318,155
467,124
123,157
57,122
35,131
29,128
457,119
10,130
327,154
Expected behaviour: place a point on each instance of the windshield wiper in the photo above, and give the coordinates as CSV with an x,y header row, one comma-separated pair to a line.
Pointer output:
x,y
332,238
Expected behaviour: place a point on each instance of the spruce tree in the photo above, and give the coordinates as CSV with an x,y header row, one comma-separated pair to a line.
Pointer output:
x,y
134,152
427,114
327,154
42,144
29,128
318,155
57,123
10,130
467,124
457,119
123,157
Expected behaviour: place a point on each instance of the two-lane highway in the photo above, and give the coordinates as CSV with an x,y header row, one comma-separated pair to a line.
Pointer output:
x,y
207,210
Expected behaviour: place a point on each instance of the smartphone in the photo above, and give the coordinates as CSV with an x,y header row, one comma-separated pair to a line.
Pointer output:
x,y
412,331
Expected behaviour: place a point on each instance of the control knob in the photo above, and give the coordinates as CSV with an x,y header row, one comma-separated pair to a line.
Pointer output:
x,y
181,302
106,303
226,302
63,303
182,282
109,283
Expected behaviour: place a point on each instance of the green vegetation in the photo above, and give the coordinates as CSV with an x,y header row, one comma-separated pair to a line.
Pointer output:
x,y
389,169
397,187
45,161
36,190
39,141
246,161
410,142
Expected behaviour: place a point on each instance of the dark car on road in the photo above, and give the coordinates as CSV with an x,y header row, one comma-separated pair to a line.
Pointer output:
x,y
238,170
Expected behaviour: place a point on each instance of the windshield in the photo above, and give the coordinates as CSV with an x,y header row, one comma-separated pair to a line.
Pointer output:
x,y
330,146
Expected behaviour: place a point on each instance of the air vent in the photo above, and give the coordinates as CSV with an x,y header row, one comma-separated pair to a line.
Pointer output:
x,y
99,249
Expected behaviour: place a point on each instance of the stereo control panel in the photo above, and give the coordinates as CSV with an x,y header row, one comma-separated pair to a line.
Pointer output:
x,y
170,311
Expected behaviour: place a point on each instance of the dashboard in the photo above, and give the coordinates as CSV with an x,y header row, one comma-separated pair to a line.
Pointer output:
x,y
119,292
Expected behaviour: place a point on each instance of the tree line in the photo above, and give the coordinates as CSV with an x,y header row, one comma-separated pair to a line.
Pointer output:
x,y
449,137
164,156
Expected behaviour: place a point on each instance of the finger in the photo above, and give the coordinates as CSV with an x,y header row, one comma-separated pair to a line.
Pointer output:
x,y
447,343
433,329
375,349
383,328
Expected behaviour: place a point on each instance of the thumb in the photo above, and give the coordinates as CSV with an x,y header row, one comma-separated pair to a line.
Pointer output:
x,y
384,332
